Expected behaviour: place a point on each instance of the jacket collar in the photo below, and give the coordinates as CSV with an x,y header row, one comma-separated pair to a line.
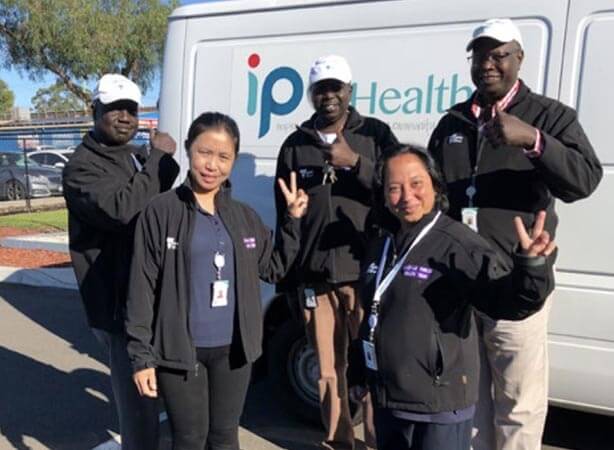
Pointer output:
x,y
463,112
186,193
110,152
354,121
403,236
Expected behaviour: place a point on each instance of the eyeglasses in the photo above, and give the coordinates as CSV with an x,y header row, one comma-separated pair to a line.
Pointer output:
x,y
495,58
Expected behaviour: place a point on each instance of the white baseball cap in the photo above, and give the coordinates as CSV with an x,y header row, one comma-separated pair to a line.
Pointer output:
x,y
113,87
330,67
502,30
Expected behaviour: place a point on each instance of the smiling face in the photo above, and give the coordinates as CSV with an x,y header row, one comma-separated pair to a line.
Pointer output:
x,y
408,188
331,100
212,155
495,67
116,123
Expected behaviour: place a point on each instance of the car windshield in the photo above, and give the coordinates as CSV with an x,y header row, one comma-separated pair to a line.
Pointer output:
x,y
16,159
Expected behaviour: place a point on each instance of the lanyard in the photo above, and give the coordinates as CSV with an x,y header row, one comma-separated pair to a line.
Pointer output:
x,y
382,285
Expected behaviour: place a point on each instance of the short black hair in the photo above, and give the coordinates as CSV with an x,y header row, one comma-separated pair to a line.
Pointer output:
x,y
439,185
213,121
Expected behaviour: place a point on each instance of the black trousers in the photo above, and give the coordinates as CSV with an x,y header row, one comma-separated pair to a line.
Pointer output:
x,y
204,409
393,433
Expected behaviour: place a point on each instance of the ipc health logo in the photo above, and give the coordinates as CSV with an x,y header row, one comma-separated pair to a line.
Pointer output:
x,y
434,96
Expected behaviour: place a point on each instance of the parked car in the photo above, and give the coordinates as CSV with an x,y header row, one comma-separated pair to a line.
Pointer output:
x,y
52,158
42,181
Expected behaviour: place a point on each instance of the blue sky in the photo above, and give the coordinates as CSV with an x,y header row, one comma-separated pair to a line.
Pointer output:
x,y
24,89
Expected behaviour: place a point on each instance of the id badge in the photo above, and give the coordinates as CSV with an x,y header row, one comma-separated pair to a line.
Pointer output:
x,y
369,351
470,218
310,298
219,294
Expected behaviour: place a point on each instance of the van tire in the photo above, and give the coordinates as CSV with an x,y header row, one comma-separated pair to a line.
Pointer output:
x,y
293,370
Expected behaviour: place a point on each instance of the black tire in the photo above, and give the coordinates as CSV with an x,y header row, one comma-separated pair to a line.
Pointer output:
x,y
14,190
293,370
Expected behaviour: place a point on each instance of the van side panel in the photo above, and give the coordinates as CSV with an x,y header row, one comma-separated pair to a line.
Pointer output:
x,y
408,61
581,331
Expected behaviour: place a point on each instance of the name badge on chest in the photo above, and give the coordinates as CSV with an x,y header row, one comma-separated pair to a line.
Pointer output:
x,y
369,351
310,298
470,218
219,294
219,288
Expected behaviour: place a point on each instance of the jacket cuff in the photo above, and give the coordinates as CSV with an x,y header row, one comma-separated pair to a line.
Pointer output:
x,y
137,366
528,261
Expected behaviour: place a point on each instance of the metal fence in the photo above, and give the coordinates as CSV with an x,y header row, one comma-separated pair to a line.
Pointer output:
x,y
32,159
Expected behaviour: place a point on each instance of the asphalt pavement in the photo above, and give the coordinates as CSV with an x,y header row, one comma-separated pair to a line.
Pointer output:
x,y
55,391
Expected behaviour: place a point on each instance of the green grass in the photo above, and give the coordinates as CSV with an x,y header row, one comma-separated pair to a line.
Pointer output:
x,y
43,220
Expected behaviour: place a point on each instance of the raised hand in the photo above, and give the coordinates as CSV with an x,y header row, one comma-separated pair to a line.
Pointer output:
x,y
162,141
507,129
339,153
296,199
146,382
538,242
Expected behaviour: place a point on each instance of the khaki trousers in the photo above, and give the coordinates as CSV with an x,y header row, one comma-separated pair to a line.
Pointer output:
x,y
329,326
513,398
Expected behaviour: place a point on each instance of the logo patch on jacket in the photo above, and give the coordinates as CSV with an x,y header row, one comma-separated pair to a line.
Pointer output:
x,y
306,173
372,268
250,242
171,243
422,273
456,138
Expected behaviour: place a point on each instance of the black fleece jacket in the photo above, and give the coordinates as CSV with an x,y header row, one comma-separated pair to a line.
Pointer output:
x,y
104,194
158,304
331,244
508,182
425,340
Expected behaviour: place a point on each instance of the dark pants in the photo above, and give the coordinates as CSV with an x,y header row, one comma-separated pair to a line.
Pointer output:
x,y
393,433
138,416
205,408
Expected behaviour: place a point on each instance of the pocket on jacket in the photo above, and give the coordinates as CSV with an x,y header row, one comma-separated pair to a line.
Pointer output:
x,y
437,358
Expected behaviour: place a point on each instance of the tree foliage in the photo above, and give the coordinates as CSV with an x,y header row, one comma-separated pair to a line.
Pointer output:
x,y
57,98
80,40
7,98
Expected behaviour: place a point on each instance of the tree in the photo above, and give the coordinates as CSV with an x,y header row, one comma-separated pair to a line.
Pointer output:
x,y
56,98
7,98
80,40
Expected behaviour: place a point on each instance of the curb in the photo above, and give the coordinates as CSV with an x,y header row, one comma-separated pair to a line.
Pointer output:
x,y
63,278
56,242
36,204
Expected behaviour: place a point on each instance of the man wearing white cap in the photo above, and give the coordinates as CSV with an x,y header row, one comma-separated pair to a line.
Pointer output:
x,y
334,153
107,183
509,152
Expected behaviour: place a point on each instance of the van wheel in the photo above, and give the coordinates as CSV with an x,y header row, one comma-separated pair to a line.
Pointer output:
x,y
14,190
293,367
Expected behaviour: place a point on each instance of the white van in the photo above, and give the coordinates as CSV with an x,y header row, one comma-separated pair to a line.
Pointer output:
x,y
250,59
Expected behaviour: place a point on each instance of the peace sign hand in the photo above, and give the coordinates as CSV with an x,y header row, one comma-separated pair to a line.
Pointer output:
x,y
296,199
538,243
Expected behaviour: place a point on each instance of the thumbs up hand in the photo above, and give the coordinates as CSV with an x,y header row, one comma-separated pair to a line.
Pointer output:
x,y
339,153
507,129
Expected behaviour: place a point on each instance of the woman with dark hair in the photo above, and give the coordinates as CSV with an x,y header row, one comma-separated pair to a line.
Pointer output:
x,y
421,279
194,319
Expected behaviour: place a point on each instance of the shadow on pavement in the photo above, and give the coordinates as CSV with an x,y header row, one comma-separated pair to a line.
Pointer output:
x,y
53,407
60,408
59,311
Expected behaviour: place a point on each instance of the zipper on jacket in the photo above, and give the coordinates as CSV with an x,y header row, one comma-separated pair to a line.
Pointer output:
x,y
333,252
186,247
